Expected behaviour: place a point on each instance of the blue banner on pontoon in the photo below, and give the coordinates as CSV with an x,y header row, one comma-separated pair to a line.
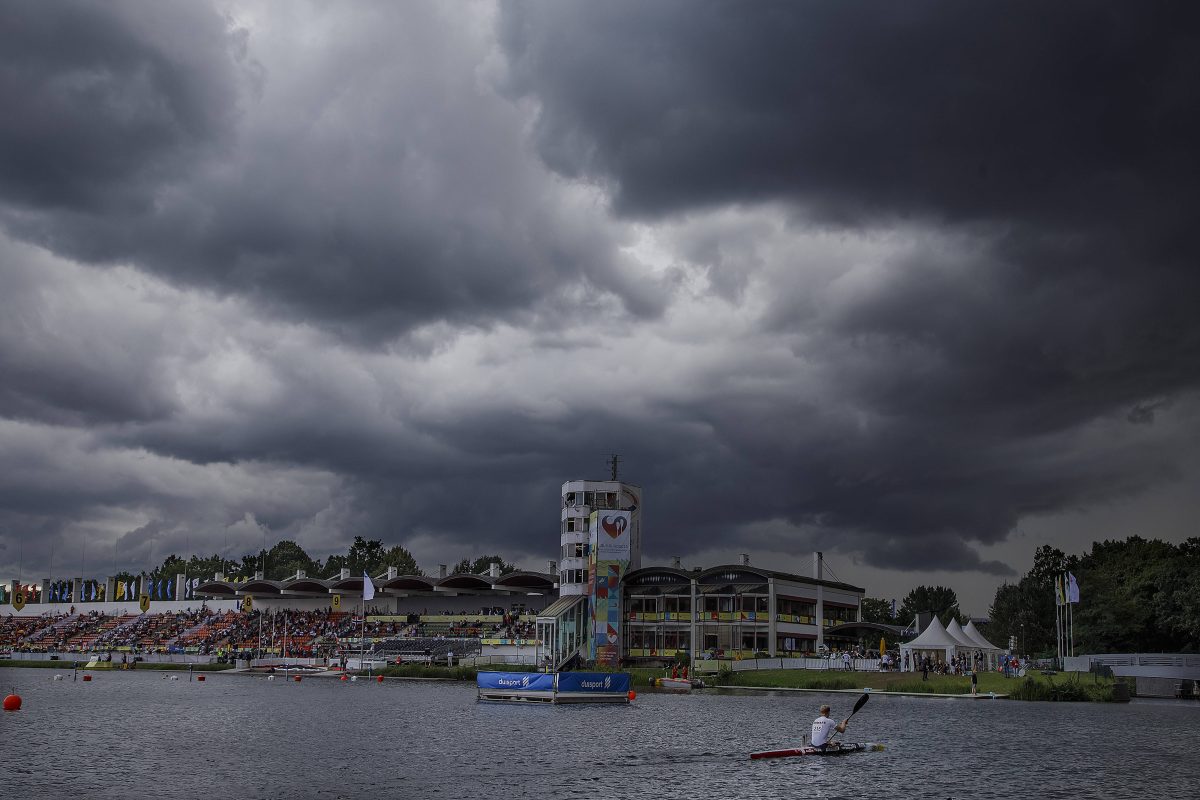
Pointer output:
x,y
516,681
614,682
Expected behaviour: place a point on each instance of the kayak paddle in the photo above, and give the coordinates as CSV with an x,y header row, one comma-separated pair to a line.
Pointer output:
x,y
862,701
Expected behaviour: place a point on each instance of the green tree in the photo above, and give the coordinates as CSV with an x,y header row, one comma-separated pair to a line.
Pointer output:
x,y
876,610
287,558
371,556
402,560
481,565
172,565
207,567
1024,611
938,600
1127,585
1179,608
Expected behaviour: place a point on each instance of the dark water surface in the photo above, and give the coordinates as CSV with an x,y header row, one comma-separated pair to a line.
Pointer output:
x,y
136,735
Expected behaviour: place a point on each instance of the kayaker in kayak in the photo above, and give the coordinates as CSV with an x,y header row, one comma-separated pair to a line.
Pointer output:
x,y
823,729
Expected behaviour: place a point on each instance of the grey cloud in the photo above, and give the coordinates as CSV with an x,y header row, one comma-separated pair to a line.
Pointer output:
x,y
105,103
945,109
1000,299
375,185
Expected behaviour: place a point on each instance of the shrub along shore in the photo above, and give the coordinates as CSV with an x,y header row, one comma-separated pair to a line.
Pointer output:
x,y
1067,686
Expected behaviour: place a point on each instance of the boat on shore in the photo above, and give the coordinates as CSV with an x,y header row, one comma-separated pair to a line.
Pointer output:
x,y
841,749
674,684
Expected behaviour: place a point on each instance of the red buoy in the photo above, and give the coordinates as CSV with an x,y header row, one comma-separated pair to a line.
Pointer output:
x,y
200,678
379,679
344,678
12,702
297,679
632,695
87,678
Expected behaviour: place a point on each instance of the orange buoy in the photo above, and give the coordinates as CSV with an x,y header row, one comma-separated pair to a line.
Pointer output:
x,y
379,679
87,678
344,678
632,695
12,702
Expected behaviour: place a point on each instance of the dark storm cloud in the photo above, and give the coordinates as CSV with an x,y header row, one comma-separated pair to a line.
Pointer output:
x,y
105,103
1055,142
884,280
955,110
372,185
65,358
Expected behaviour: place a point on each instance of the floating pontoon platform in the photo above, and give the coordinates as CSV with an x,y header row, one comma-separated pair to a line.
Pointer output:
x,y
554,687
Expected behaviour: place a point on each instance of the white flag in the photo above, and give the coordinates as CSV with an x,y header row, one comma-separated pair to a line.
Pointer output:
x,y
1072,589
368,587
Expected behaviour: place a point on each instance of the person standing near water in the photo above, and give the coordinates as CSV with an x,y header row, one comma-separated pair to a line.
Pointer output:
x,y
974,682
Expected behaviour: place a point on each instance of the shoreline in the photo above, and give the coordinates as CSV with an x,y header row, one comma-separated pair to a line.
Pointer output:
x,y
866,690
991,687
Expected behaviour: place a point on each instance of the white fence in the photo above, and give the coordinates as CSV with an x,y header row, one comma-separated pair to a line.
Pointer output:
x,y
477,661
825,664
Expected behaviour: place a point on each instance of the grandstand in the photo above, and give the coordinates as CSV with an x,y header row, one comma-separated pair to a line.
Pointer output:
x,y
424,648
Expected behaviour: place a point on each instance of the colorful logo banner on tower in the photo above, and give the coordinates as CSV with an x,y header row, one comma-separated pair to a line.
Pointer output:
x,y
614,535
611,538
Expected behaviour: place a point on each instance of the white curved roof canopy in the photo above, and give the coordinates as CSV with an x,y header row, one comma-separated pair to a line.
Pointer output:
x,y
935,636
973,633
955,630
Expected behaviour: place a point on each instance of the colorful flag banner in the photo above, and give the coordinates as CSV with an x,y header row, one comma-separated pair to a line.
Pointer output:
x,y
1072,589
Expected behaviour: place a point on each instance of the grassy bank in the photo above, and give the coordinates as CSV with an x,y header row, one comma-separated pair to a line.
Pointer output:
x,y
141,667
1063,686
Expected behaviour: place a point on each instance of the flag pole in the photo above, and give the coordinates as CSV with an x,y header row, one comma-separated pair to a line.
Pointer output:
x,y
1058,622
362,641
1074,601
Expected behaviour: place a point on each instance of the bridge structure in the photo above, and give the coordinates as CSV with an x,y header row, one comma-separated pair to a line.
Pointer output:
x,y
1153,674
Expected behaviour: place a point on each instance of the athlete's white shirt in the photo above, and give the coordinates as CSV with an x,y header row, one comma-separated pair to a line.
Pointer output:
x,y
822,731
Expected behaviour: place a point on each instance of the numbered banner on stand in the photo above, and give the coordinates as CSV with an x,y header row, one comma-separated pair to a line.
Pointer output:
x,y
247,604
18,599
337,602
144,602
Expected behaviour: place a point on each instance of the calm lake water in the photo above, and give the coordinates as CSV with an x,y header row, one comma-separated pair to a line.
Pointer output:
x,y
136,735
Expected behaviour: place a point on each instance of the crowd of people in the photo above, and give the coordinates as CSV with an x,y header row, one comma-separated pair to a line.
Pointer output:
x,y
22,634
959,664
238,634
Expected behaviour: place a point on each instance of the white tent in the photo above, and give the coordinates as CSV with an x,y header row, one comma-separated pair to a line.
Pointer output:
x,y
977,637
935,642
990,651
956,632
969,646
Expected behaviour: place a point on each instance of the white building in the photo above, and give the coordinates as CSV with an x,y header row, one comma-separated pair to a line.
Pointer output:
x,y
579,500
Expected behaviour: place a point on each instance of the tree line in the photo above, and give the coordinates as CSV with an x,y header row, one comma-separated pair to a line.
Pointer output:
x,y
1136,595
286,558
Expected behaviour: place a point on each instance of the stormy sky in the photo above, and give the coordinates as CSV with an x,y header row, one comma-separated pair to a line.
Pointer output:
x,y
914,284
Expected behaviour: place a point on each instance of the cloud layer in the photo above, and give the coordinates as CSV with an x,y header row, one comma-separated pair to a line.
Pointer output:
x,y
886,285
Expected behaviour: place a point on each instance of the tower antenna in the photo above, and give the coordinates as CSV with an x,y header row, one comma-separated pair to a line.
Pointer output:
x,y
613,461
